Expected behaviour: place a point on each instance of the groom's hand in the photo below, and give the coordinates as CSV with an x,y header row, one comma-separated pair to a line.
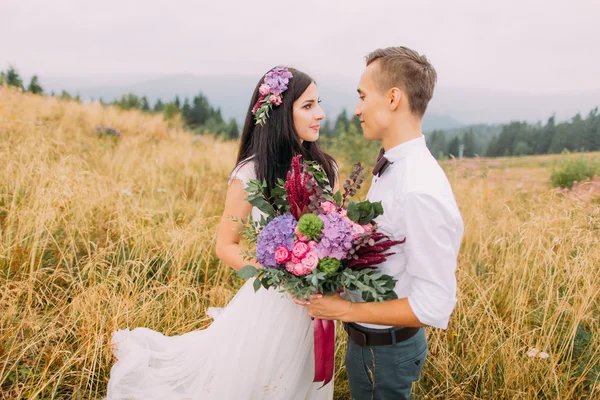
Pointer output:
x,y
332,307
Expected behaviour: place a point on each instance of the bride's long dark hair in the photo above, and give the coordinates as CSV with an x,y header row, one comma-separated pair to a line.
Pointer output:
x,y
273,145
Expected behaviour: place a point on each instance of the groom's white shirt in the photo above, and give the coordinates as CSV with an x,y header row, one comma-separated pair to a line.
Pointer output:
x,y
419,205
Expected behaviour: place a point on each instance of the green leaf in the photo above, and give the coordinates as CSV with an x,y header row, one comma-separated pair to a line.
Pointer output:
x,y
278,192
266,284
390,296
338,197
353,212
364,207
248,271
367,296
378,208
368,218
256,284
259,202
375,275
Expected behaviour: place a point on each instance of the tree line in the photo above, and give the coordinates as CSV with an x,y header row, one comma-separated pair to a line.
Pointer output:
x,y
513,139
197,114
517,138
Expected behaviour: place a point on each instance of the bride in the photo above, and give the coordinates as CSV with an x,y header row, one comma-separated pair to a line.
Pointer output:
x,y
260,346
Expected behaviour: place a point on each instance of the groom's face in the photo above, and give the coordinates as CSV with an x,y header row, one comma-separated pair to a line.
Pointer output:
x,y
373,107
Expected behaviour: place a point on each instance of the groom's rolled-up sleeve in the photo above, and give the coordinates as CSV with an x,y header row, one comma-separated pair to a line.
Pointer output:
x,y
433,233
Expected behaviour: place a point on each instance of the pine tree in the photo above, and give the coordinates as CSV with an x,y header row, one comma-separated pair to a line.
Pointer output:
x,y
437,143
341,123
468,140
453,146
185,111
34,86
326,130
591,139
233,131
12,78
159,106
542,145
144,104
64,95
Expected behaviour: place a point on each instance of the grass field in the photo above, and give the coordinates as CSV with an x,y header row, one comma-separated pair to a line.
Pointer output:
x,y
100,232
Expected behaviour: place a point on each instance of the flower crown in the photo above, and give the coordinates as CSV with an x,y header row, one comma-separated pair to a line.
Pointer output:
x,y
275,83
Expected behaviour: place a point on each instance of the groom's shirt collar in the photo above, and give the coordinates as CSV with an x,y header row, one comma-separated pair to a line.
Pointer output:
x,y
405,149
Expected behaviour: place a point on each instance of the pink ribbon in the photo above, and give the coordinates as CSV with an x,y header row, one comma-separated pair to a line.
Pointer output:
x,y
324,350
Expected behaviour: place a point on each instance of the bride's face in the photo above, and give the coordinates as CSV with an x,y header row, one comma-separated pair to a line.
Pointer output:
x,y
308,114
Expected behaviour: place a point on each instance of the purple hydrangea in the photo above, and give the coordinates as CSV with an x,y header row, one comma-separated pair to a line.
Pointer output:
x,y
278,232
337,237
278,79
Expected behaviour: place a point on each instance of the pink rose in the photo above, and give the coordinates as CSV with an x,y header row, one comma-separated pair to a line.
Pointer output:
x,y
295,259
302,238
290,266
368,228
343,212
310,261
264,89
276,100
328,207
282,255
357,229
296,269
300,249
312,244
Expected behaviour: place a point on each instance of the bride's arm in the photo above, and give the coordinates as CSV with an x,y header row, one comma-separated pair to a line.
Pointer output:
x,y
228,247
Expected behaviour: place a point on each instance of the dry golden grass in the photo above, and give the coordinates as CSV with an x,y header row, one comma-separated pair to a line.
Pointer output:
x,y
103,233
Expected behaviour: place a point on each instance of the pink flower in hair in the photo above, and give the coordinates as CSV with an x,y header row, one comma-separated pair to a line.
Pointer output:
x,y
276,100
264,89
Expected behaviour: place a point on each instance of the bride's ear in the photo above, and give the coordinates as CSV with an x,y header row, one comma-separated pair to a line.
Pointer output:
x,y
395,98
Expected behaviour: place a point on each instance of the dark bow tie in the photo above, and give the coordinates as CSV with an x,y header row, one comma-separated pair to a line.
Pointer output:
x,y
382,164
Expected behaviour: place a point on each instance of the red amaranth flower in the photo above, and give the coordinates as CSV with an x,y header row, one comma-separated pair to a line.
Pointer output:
x,y
295,186
369,256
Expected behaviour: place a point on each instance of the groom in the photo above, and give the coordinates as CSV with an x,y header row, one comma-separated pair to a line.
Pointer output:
x,y
387,345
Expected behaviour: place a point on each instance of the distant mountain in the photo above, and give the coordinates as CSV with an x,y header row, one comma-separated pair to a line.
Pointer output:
x,y
230,93
481,106
451,107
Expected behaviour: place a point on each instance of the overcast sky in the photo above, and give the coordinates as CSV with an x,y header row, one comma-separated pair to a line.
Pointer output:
x,y
524,45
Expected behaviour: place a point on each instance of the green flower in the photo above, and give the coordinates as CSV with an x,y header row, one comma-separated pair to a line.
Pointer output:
x,y
329,265
310,226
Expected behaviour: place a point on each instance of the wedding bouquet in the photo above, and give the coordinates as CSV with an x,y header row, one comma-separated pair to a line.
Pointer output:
x,y
309,241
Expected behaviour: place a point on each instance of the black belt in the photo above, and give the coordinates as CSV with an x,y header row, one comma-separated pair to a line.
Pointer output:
x,y
384,338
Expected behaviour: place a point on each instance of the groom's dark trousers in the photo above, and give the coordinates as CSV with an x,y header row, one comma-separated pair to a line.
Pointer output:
x,y
383,364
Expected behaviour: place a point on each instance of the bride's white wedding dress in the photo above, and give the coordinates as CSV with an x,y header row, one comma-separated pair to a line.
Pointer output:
x,y
260,346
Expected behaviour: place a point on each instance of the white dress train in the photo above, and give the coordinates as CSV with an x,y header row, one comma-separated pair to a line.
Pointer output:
x,y
260,346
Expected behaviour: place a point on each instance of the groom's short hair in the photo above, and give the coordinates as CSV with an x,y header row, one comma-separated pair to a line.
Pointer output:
x,y
408,70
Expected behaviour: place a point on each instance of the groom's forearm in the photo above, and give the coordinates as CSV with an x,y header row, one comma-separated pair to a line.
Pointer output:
x,y
391,312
